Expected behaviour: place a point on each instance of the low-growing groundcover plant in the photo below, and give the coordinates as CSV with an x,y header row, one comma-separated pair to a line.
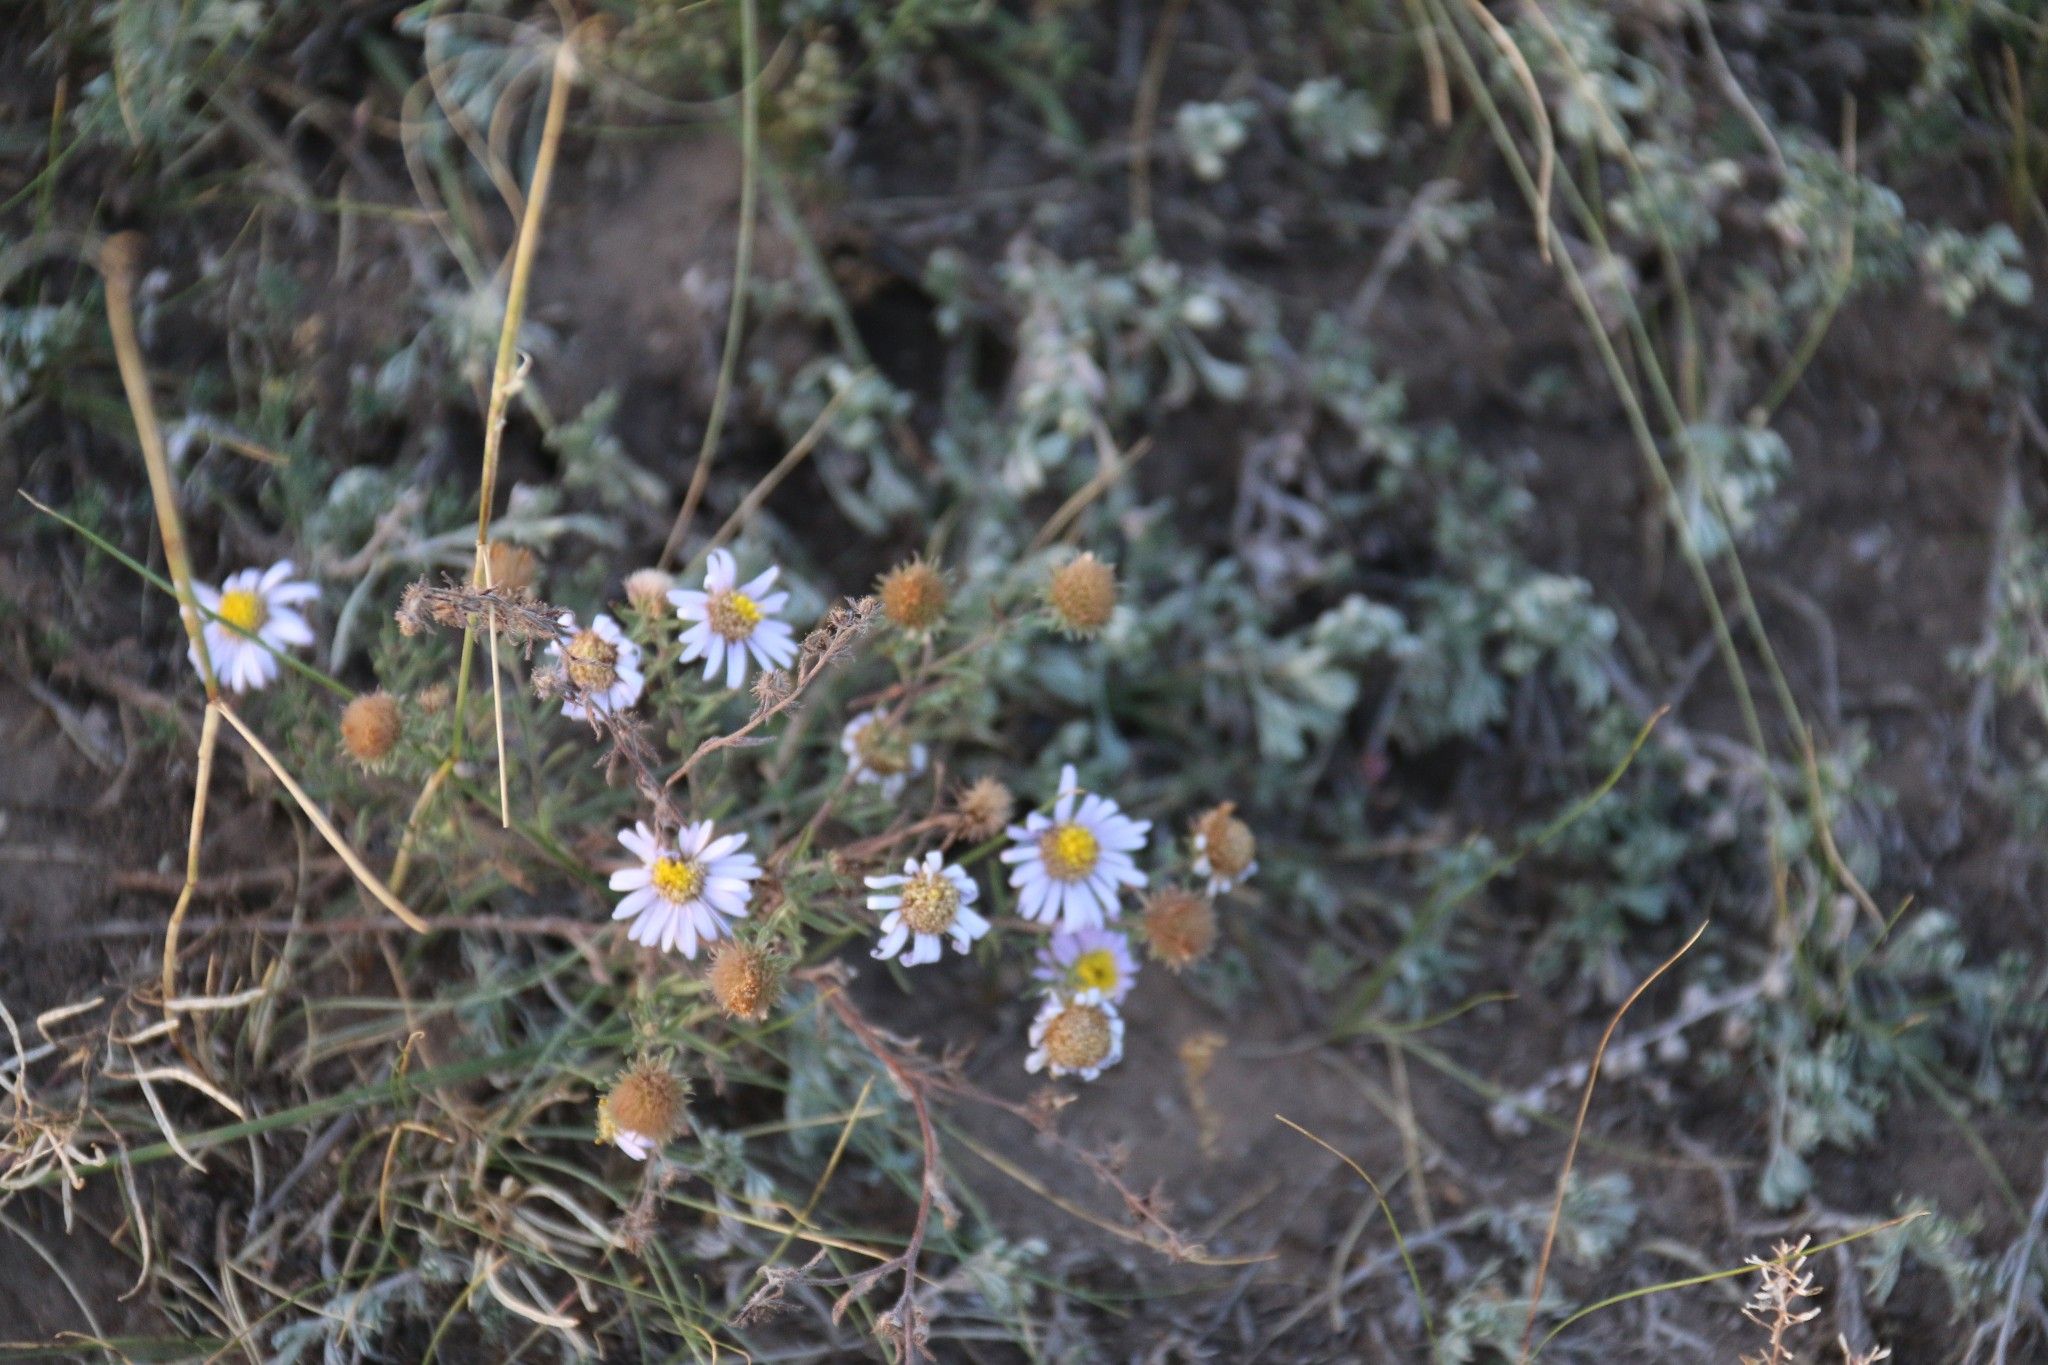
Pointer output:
x,y
959,681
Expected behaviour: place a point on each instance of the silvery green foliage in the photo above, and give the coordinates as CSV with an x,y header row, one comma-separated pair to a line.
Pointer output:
x,y
1595,88
1335,124
1677,200
1000,1273
1959,268
1945,1245
1484,1322
34,339
174,42
349,1325
1210,133
1727,480
1096,344
856,464
595,463
1597,1217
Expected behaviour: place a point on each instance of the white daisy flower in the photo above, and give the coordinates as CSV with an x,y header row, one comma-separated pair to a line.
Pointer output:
x,y
681,895
732,622
264,603
929,901
1076,1035
1088,959
1071,863
602,663
878,751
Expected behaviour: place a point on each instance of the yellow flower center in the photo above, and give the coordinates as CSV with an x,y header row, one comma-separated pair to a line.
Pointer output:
x,y
1069,852
930,903
883,748
677,880
591,661
733,615
243,609
1077,1037
1096,970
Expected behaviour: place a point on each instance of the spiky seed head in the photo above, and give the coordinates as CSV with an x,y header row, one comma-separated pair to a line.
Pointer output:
x,y
648,589
1180,926
513,567
913,596
1082,594
983,809
745,979
647,1099
1077,1037
1227,840
772,688
433,699
370,726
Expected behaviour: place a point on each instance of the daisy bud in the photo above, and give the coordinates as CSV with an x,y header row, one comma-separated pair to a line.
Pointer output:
x,y
983,810
1180,927
1226,852
643,1110
648,589
913,596
370,726
745,979
513,568
1082,594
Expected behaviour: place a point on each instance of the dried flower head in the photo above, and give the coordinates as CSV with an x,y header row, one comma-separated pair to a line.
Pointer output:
x,y
881,752
644,1109
913,596
1082,594
1180,926
601,665
648,590
745,979
513,568
1076,1035
433,699
370,726
983,809
1783,1286
1225,850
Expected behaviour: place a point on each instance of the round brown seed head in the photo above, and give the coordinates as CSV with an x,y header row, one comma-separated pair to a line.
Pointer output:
x,y
1082,593
648,1099
647,590
1227,840
433,698
983,809
883,746
512,567
745,979
370,726
1180,927
913,596
591,661
1077,1037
